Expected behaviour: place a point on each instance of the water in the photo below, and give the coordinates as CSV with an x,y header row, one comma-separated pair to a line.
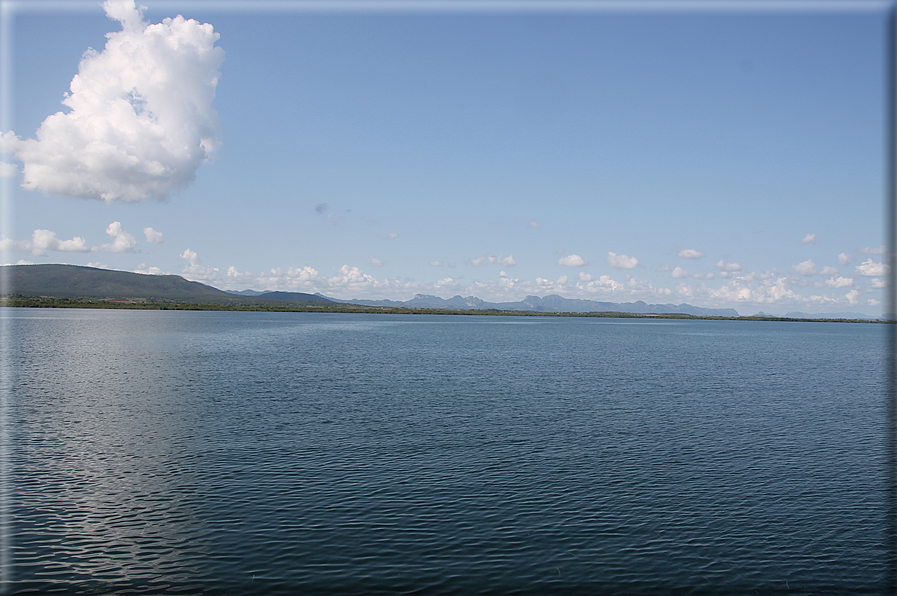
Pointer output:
x,y
265,453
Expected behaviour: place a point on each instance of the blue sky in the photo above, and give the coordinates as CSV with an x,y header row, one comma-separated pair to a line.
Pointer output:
x,y
697,153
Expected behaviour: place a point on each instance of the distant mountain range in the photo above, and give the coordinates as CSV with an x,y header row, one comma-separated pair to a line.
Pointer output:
x,y
72,281
552,303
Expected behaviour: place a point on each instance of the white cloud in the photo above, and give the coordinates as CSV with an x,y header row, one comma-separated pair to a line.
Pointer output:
x,y
807,267
8,170
141,119
130,16
376,262
44,240
869,250
877,283
532,223
679,272
304,274
844,259
621,261
603,285
829,270
755,288
808,239
852,296
436,263
352,278
690,253
685,291
8,142
572,261
839,282
121,240
191,256
8,244
147,270
871,268
152,236
728,267
195,271
546,286
492,260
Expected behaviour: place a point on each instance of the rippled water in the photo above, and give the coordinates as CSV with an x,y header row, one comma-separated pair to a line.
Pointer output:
x,y
242,453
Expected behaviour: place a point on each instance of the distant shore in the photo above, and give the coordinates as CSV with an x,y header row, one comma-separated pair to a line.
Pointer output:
x,y
32,302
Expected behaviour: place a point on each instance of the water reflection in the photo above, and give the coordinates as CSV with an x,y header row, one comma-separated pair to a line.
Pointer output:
x,y
105,461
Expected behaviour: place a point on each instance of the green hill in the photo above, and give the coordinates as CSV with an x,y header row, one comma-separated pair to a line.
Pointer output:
x,y
73,281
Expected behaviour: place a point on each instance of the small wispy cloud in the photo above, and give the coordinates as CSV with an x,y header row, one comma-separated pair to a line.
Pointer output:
x,y
493,260
45,240
839,282
874,250
808,239
805,268
690,253
152,236
121,240
728,267
621,261
148,270
870,268
194,270
572,261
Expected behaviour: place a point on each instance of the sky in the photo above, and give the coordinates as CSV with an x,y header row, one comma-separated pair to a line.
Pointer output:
x,y
724,155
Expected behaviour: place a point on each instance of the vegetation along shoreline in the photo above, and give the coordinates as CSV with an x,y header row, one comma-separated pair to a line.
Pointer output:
x,y
18,301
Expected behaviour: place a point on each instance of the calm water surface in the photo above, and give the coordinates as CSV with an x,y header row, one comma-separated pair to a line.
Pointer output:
x,y
265,453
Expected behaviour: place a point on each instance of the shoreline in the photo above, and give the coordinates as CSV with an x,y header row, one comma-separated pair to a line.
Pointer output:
x,y
31,302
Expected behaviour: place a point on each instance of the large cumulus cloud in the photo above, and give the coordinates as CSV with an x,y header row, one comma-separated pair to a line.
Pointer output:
x,y
140,119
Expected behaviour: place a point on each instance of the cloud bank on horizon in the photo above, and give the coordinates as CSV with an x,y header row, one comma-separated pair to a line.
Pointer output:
x,y
140,119
769,288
